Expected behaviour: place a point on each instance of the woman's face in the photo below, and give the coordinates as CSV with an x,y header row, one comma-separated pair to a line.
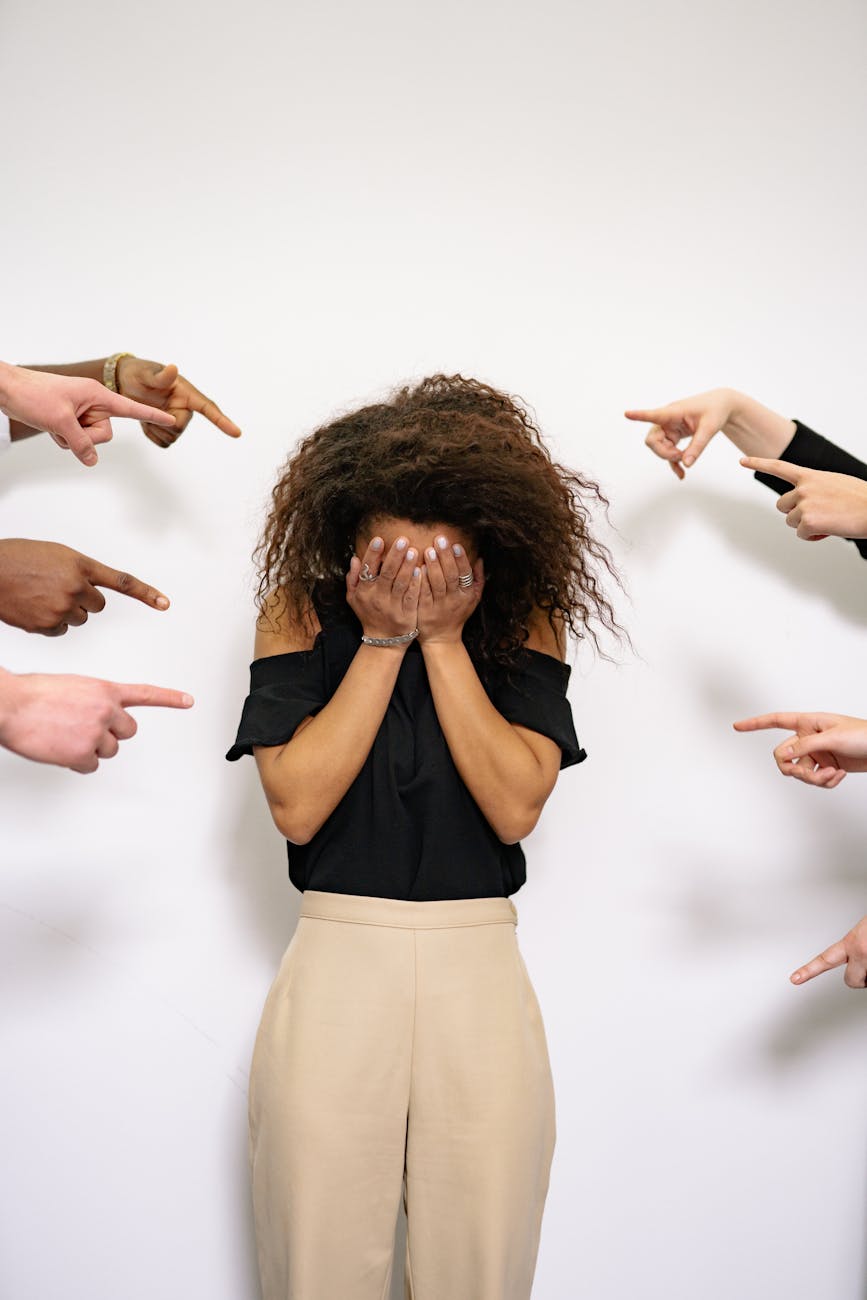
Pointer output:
x,y
419,536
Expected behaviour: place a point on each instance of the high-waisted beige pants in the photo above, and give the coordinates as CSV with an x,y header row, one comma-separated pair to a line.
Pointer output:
x,y
401,1051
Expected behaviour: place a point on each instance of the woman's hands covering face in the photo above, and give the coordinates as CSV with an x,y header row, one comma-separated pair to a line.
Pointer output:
x,y
444,603
382,588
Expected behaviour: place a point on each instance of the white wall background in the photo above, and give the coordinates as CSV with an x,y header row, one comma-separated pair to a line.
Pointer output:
x,y
594,206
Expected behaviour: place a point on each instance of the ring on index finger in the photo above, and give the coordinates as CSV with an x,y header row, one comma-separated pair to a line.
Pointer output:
x,y
365,575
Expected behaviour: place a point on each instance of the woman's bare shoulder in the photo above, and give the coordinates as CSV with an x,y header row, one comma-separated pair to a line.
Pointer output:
x,y
547,637
279,630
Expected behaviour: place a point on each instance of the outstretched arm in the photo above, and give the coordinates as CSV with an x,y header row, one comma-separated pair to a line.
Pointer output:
x,y
754,429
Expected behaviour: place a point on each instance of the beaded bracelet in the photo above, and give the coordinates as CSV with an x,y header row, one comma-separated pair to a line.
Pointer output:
x,y
391,640
109,370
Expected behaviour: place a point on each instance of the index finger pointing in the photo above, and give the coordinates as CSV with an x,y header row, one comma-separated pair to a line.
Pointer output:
x,y
776,468
128,409
103,576
834,956
211,411
644,417
768,721
160,697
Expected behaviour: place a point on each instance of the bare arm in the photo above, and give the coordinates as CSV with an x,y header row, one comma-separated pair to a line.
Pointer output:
x,y
76,369
509,770
305,779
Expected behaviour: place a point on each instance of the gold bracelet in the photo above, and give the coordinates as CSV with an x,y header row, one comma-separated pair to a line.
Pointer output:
x,y
109,370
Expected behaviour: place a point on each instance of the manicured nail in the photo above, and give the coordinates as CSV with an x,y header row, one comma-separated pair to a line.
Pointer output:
x,y
410,556
162,602
416,573
431,553
458,550
442,543
376,544
401,543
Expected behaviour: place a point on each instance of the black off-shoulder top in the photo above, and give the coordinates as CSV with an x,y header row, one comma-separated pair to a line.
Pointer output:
x,y
407,827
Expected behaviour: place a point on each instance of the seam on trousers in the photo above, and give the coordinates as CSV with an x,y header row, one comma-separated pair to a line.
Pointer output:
x,y
407,1276
386,925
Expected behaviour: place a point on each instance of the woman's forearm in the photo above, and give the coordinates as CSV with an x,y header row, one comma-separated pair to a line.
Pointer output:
x,y
499,769
756,430
305,779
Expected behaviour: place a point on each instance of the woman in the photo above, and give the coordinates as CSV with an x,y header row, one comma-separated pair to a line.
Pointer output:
x,y
422,562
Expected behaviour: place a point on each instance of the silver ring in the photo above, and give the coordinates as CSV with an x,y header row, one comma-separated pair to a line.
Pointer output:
x,y
365,575
465,580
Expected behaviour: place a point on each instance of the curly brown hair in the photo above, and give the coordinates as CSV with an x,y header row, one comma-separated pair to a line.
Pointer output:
x,y
453,451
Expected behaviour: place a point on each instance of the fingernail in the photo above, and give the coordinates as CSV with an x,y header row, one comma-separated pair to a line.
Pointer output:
x,y
90,458
458,550
431,553
376,544
410,556
416,573
401,543
442,543
788,751
687,460
188,701
162,602
796,979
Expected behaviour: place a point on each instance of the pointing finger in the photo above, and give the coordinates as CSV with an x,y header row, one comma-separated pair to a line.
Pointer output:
x,y
126,408
211,411
645,416
769,721
776,468
103,576
832,957
160,697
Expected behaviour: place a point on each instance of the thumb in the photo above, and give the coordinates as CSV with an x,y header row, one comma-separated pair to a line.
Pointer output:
x,y
699,440
805,745
163,377
69,433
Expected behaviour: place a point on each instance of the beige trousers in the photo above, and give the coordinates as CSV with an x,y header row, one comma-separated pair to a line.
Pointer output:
x,y
401,1052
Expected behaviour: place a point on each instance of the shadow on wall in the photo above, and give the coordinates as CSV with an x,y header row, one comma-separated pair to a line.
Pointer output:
x,y
131,466
830,840
758,531
256,855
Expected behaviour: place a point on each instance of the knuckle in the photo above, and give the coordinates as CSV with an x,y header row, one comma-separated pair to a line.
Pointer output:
x,y
125,582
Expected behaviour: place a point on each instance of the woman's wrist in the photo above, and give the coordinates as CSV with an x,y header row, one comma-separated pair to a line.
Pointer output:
x,y
755,429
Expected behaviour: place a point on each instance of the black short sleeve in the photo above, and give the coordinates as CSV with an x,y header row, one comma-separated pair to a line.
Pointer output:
x,y
810,450
284,689
534,696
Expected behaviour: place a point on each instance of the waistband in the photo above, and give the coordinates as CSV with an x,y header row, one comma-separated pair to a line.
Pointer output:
x,y
356,909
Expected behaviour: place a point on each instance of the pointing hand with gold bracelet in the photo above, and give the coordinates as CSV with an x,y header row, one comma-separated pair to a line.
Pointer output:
x,y
163,387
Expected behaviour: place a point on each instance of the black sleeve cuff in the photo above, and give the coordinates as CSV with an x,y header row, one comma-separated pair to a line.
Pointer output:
x,y
810,450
